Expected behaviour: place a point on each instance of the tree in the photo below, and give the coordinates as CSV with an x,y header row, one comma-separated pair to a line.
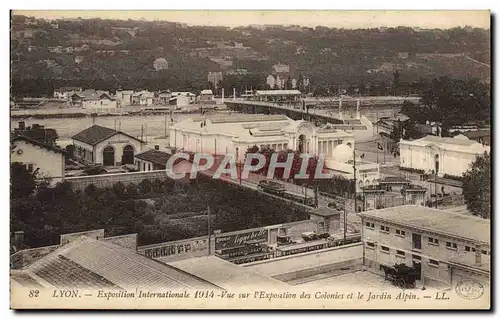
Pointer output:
x,y
451,102
477,186
22,182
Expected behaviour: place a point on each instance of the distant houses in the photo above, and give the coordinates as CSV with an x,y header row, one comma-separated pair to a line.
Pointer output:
x,y
100,100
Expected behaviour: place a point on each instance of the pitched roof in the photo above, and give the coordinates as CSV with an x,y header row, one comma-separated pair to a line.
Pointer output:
x,y
96,133
38,143
154,156
90,263
207,92
435,220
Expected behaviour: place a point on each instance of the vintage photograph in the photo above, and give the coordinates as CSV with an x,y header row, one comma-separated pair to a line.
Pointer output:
x,y
250,159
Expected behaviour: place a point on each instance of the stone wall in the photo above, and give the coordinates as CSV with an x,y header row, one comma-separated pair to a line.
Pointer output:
x,y
179,249
107,180
310,263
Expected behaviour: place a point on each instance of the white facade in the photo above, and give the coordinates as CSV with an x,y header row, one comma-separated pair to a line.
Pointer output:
x,y
95,153
434,239
281,68
236,133
51,164
99,103
446,155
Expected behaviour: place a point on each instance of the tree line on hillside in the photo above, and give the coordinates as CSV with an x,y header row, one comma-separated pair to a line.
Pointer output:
x,y
326,56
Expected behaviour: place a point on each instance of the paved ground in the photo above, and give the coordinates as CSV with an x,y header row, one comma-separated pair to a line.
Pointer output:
x,y
357,280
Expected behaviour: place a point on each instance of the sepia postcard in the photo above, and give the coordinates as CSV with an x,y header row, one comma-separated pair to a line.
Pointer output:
x,y
250,160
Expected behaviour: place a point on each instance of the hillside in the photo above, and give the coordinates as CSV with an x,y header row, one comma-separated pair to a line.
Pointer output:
x,y
116,53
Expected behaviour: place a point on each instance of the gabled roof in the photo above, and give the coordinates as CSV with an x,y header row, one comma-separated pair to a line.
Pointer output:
x,y
48,147
154,156
96,133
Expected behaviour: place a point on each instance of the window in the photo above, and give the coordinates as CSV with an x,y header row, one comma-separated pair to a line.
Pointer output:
x,y
451,245
467,248
385,249
371,245
30,168
370,225
473,249
484,252
384,228
400,232
417,257
416,241
400,253
433,262
433,241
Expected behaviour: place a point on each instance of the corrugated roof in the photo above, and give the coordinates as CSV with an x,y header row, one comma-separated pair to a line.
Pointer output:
x,y
435,220
91,263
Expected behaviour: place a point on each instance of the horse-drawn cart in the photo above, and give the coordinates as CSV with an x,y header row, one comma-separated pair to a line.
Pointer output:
x,y
401,275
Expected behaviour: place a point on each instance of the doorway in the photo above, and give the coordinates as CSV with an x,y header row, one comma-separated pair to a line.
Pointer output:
x,y
302,143
436,161
108,156
128,155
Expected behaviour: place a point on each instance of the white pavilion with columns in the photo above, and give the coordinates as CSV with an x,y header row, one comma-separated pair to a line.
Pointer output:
x,y
234,134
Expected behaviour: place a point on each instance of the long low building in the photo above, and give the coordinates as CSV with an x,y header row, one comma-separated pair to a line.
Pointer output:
x,y
443,155
445,246
88,263
234,134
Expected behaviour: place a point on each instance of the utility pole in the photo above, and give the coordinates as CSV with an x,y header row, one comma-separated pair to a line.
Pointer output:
x,y
345,222
355,183
165,125
209,230
435,190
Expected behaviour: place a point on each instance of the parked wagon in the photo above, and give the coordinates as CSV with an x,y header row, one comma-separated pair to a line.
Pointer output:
x,y
401,275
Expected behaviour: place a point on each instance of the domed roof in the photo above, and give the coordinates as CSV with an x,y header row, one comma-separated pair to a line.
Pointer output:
x,y
342,153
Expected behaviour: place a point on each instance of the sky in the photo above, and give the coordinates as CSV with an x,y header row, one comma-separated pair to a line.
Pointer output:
x,y
333,19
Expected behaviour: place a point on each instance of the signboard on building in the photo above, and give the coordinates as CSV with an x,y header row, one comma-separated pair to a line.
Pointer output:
x,y
238,240
186,247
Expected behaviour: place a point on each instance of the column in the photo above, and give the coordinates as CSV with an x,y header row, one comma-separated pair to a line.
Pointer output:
x,y
222,95
330,148
357,109
234,93
340,108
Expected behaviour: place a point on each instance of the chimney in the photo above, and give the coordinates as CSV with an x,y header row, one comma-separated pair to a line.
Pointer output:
x,y
22,125
157,147
19,239
478,256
